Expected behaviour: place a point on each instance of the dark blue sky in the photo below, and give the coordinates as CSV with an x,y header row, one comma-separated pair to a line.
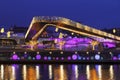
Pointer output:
x,y
95,13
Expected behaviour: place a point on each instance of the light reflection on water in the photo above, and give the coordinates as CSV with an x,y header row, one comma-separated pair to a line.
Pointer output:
x,y
59,72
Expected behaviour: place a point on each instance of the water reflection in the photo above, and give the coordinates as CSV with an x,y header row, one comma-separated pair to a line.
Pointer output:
x,y
37,72
111,72
50,72
2,72
88,71
59,72
24,72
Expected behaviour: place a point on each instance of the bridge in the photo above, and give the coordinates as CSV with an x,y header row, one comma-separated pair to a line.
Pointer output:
x,y
40,23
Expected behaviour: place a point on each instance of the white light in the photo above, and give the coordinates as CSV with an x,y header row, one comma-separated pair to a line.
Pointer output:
x,y
99,71
97,57
13,73
111,72
13,52
2,72
76,52
50,71
76,71
98,52
56,29
50,52
114,30
61,52
38,52
88,71
61,72
2,30
72,33
25,52
24,72
87,52
37,73
8,34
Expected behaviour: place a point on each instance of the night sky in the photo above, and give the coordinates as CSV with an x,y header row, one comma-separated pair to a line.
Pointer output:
x,y
95,13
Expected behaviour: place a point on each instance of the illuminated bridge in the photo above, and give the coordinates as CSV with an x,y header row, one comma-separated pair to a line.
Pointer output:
x,y
88,47
39,24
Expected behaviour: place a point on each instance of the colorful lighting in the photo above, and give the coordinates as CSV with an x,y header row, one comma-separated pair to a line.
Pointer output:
x,y
79,57
49,58
69,58
74,56
25,55
38,57
114,58
57,58
15,57
83,58
97,57
33,58
87,58
45,58
119,56
62,58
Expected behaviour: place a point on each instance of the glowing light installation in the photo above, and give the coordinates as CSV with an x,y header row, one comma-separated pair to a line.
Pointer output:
x,y
74,56
15,57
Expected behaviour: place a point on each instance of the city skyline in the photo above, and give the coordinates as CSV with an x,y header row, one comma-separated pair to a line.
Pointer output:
x,y
97,14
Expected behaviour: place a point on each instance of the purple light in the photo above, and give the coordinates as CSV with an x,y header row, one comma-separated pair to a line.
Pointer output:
x,y
114,58
109,45
62,58
87,58
15,57
57,58
69,58
38,57
25,55
74,56
45,58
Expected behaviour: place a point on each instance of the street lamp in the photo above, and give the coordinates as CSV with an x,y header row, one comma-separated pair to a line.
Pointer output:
x,y
2,30
114,30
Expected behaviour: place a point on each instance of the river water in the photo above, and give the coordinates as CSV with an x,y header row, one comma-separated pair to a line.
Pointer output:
x,y
59,72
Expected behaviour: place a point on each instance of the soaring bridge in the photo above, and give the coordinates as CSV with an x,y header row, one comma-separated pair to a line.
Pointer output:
x,y
40,23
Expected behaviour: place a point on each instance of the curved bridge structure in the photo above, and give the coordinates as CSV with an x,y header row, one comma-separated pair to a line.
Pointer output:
x,y
40,23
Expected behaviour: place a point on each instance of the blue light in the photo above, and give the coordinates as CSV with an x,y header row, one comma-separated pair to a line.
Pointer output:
x,y
119,56
83,58
97,57
79,57
49,58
